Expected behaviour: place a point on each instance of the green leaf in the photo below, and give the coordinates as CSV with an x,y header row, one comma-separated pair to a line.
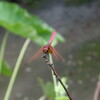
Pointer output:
x,y
62,98
60,89
18,21
6,69
48,89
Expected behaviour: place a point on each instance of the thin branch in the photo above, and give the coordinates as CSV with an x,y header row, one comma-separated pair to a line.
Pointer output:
x,y
56,74
97,90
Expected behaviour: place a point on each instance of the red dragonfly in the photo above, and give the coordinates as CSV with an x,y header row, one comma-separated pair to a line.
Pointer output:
x,y
48,49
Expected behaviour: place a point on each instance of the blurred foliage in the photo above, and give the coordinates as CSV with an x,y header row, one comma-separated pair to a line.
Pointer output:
x,y
34,3
60,90
17,1
48,89
77,2
18,21
29,3
62,98
6,69
49,92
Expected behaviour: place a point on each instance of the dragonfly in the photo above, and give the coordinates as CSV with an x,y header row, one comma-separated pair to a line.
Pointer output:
x,y
48,49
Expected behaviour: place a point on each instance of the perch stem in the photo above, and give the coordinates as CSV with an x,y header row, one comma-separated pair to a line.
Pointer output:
x,y
97,90
15,71
2,50
53,76
56,74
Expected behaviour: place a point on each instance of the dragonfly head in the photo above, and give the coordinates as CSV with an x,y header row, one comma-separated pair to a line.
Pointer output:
x,y
46,48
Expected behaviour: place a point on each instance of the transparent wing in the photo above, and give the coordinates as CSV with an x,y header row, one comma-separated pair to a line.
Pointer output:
x,y
52,36
56,54
36,55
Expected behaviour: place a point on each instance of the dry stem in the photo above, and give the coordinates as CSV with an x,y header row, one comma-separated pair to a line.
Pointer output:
x,y
56,74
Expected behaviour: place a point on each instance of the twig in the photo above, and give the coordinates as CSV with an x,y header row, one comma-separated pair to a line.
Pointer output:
x,y
97,90
56,74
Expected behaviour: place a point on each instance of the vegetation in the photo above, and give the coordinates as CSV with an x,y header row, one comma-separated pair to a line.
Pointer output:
x,y
18,21
49,91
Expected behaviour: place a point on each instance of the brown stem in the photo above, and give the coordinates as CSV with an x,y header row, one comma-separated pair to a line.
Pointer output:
x,y
56,74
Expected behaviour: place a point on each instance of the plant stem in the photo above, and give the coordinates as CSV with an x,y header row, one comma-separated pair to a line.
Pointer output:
x,y
2,49
97,90
56,74
14,74
53,76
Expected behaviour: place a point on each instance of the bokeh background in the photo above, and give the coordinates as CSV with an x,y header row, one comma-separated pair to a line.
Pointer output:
x,y
79,23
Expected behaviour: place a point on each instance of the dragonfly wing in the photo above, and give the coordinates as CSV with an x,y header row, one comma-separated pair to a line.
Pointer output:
x,y
53,52
56,54
36,55
52,36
